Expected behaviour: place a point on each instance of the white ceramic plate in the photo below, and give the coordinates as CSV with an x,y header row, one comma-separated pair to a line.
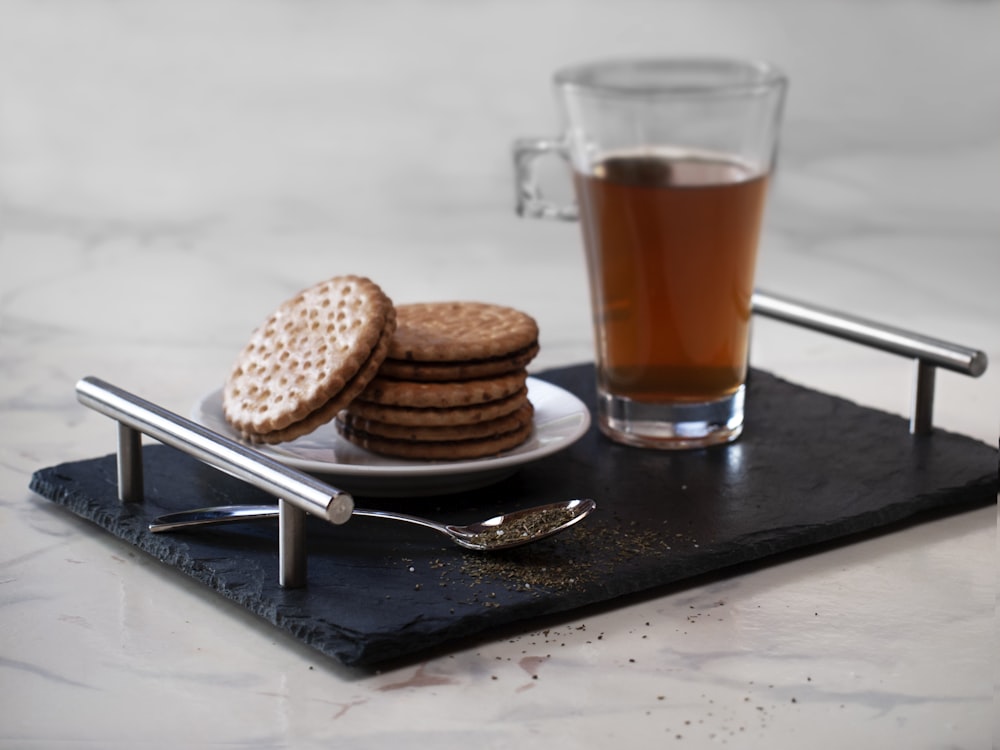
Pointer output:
x,y
560,420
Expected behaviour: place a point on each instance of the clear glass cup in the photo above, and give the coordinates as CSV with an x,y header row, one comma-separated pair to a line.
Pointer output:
x,y
670,160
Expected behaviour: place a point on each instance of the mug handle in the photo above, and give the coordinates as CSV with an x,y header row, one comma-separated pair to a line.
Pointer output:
x,y
530,200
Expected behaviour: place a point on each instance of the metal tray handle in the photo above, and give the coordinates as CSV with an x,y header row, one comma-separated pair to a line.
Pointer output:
x,y
928,353
298,493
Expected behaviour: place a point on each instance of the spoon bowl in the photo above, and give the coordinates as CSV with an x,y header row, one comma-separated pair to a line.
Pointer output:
x,y
521,526
500,532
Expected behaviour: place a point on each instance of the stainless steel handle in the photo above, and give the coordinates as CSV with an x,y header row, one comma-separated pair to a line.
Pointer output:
x,y
887,338
298,493
302,490
928,353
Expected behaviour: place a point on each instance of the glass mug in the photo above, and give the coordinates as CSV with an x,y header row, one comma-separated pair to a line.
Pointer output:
x,y
671,160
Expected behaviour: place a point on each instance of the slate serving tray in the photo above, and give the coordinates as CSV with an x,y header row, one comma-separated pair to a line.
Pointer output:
x,y
810,468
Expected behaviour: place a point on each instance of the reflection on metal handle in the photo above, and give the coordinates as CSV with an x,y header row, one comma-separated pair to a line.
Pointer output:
x,y
928,353
298,493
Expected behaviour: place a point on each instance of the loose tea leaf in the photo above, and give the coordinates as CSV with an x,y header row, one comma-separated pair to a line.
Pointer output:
x,y
565,564
512,530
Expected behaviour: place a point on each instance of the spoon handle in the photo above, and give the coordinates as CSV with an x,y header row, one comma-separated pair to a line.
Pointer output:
x,y
212,516
235,513
405,518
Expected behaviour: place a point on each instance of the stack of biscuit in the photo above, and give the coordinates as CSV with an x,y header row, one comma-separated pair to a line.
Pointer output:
x,y
438,380
453,385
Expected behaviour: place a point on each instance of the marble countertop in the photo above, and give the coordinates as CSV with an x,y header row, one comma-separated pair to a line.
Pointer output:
x,y
169,172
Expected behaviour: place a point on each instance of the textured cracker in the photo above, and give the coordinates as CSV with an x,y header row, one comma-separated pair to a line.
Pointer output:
x,y
401,369
329,410
437,434
426,395
458,331
402,415
305,354
457,450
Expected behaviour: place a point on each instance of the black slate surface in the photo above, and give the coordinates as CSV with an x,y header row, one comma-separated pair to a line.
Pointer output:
x,y
810,468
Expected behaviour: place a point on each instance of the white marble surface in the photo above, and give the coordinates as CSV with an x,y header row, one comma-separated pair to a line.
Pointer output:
x,y
171,170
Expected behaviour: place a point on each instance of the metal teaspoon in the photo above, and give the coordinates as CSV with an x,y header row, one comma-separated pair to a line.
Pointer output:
x,y
500,532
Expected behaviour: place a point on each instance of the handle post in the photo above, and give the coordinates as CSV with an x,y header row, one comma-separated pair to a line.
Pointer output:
x,y
130,481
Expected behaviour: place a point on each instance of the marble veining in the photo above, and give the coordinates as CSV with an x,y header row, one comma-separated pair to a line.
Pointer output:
x,y
171,170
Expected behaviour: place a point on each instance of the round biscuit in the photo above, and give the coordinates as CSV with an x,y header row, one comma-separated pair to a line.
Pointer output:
x,y
305,353
454,450
459,331
401,369
440,433
403,415
429,395
329,410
